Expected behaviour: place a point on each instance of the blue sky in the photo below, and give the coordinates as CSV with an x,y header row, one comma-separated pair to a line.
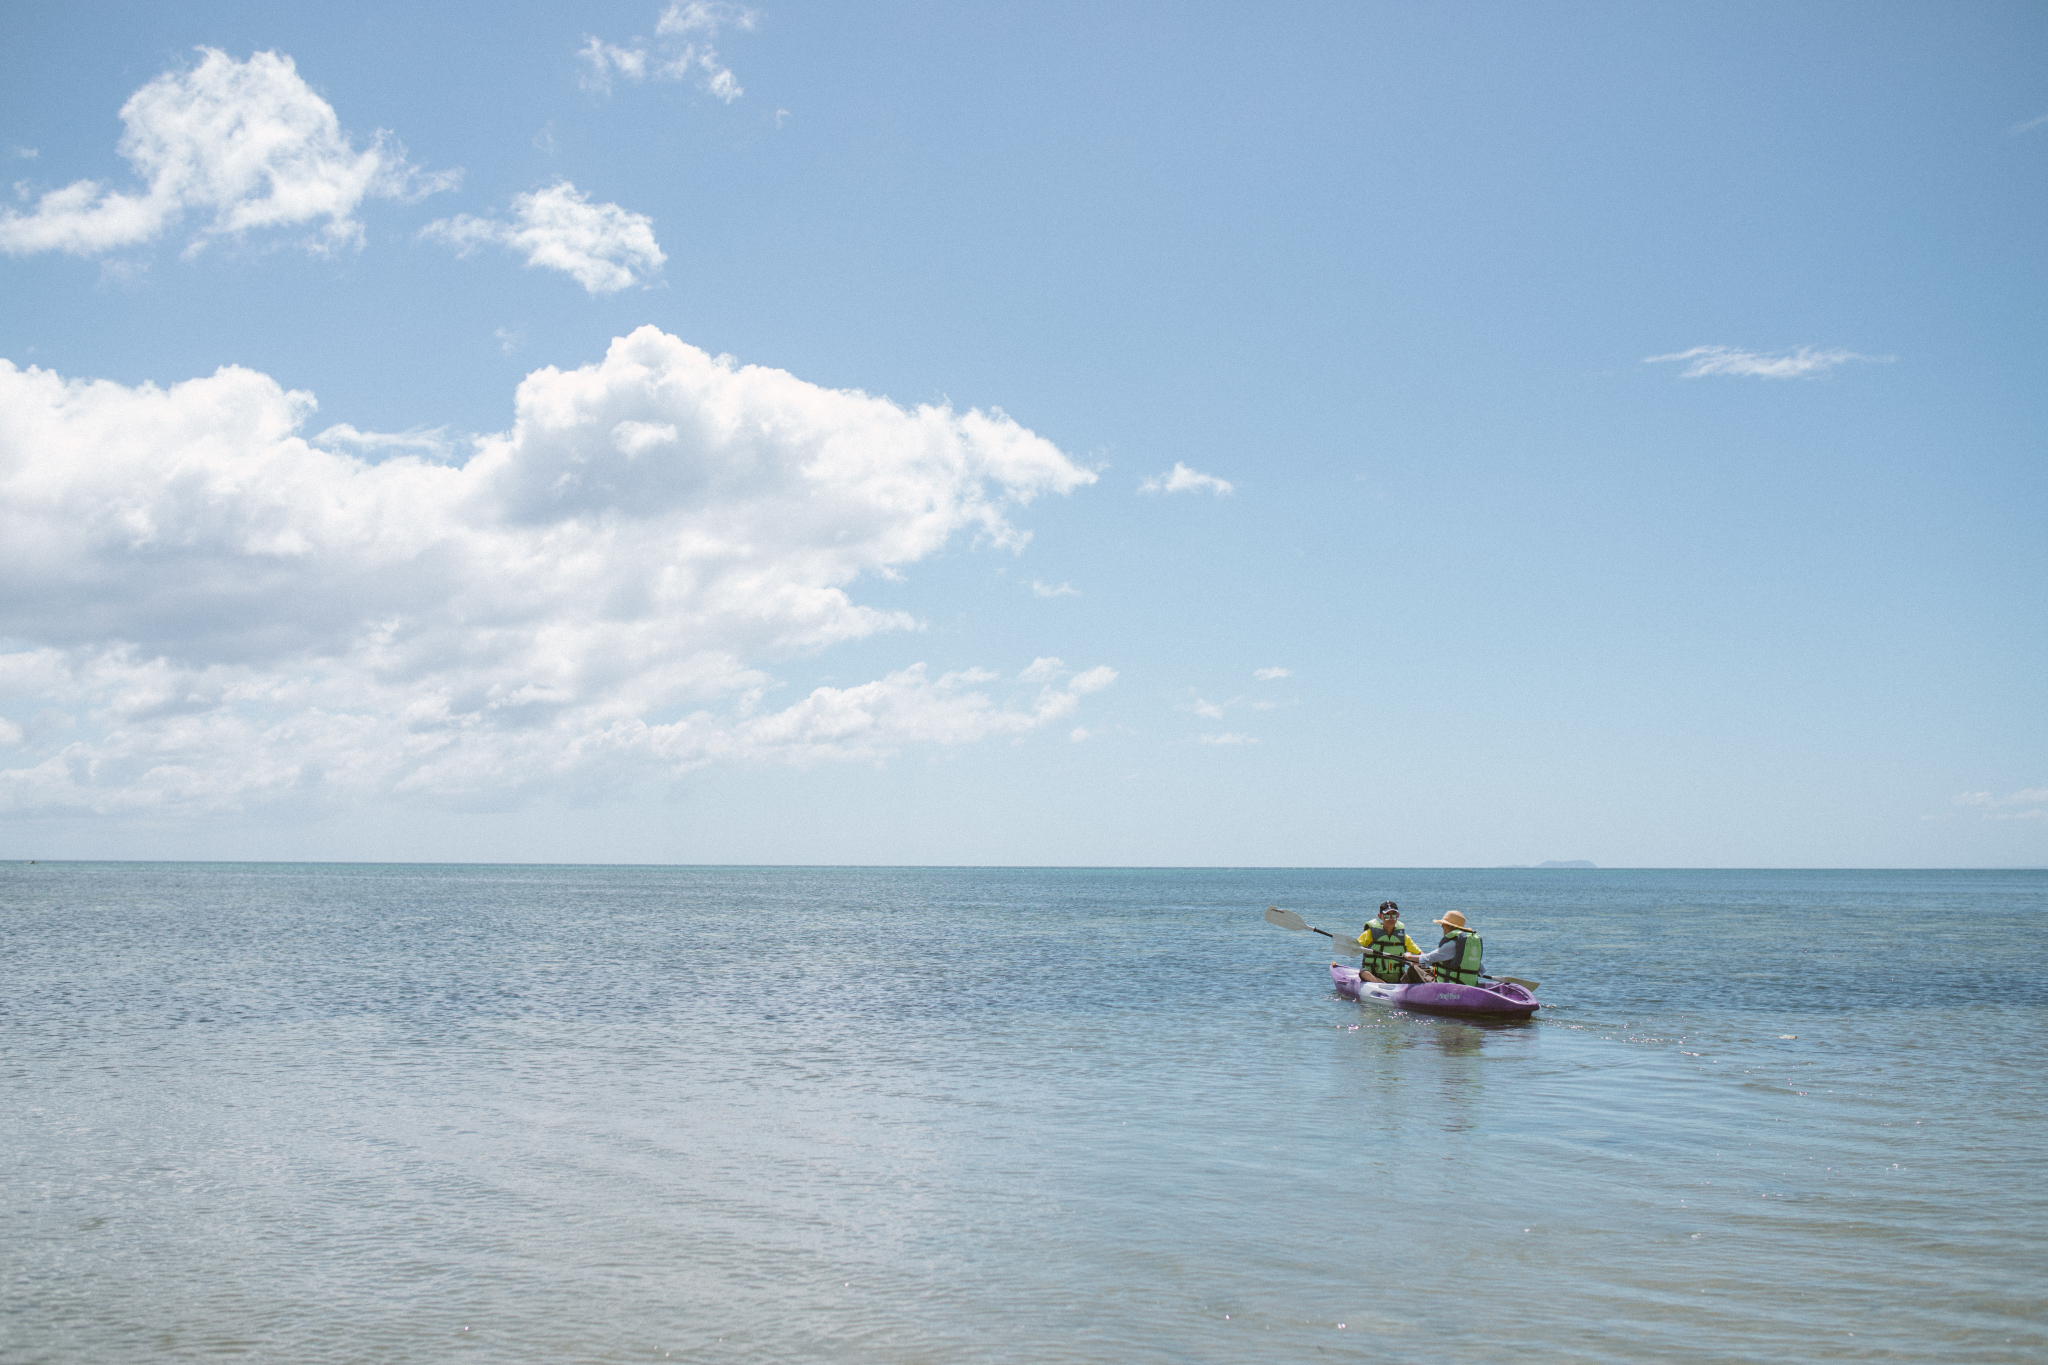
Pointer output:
x,y
1354,435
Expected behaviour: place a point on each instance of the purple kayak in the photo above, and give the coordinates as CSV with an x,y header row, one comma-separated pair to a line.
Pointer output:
x,y
1489,999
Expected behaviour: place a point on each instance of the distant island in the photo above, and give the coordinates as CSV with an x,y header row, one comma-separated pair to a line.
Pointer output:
x,y
1575,862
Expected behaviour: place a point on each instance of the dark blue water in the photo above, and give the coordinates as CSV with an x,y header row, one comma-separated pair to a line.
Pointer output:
x,y
327,1114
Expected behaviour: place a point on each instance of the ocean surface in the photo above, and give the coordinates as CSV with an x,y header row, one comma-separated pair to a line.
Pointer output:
x,y
322,1114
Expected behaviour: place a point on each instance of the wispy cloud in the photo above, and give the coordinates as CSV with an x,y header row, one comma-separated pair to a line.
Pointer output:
x,y
683,50
248,143
123,274
1039,589
602,61
1181,479
431,443
2028,803
1227,737
602,247
878,719
1273,674
2026,796
1702,361
1198,705
2005,807
2029,126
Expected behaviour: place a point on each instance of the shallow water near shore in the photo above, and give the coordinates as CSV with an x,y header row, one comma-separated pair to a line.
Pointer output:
x,y
359,1113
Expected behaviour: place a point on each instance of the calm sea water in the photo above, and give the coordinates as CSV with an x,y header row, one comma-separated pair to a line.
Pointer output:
x,y
349,1113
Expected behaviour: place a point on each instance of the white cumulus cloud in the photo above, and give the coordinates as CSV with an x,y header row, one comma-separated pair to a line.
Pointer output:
x,y
1702,361
683,50
1272,674
596,596
602,247
247,144
1181,479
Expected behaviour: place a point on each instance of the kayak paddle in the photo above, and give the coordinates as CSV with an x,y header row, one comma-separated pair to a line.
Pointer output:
x,y
1287,919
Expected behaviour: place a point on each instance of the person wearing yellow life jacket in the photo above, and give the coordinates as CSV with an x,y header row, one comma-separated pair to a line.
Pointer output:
x,y
1388,947
1456,958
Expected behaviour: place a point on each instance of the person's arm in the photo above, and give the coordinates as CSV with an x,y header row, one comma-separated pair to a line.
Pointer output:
x,y
1411,949
1443,952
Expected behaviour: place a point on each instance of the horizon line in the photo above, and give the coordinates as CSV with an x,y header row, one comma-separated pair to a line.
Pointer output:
x,y
1018,867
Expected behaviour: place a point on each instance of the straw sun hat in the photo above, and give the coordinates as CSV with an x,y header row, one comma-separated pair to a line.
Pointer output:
x,y
1454,920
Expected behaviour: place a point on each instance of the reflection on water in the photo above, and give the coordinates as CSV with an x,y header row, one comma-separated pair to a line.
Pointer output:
x,y
1440,1057
349,1114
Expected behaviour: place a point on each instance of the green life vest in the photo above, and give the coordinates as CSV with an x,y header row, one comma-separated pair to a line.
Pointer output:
x,y
1383,951
1464,968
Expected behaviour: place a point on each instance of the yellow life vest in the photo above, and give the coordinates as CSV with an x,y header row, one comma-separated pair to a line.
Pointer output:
x,y
1384,949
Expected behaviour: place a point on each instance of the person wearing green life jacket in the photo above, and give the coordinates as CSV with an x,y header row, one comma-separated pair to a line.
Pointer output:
x,y
1388,948
1457,957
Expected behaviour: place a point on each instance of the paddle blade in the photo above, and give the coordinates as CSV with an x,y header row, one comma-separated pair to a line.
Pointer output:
x,y
1525,985
1286,919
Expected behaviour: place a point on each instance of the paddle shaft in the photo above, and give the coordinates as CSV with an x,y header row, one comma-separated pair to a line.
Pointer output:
x,y
1528,985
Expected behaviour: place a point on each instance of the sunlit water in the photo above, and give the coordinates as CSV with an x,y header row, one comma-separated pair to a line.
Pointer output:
x,y
338,1114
